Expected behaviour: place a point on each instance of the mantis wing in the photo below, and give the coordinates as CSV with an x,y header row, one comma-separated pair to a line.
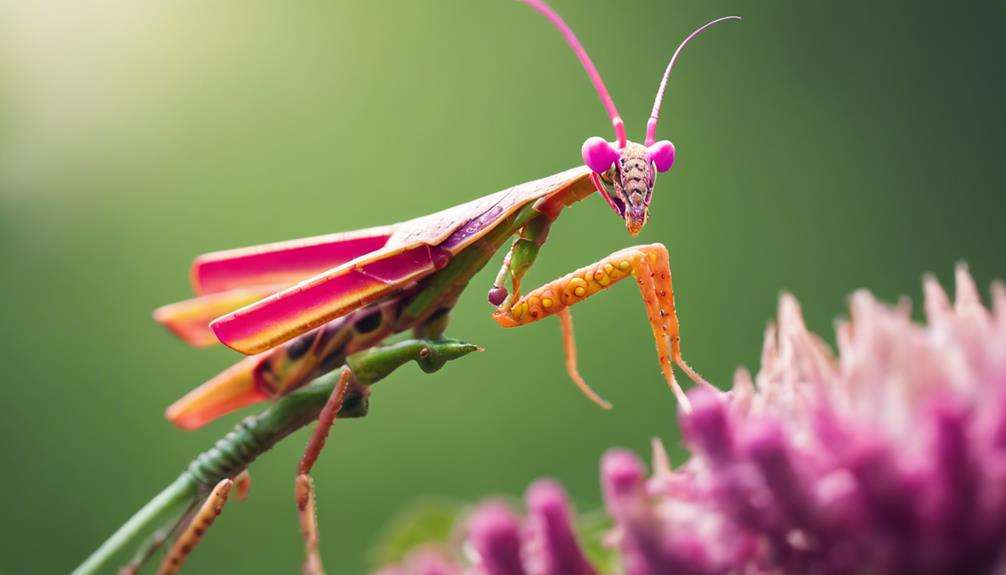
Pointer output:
x,y
324,297
227,280
282,263
414,250
190,319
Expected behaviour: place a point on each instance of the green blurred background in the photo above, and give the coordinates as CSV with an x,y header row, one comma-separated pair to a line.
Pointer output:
x,y
822,147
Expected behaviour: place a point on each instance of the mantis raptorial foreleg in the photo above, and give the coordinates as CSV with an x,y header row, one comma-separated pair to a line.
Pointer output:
x,y
649,265
518,260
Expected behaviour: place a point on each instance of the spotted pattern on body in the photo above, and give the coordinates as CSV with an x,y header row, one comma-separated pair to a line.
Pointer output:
x,y
569,290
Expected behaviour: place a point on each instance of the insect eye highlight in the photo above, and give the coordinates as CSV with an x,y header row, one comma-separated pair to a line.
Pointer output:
x,y
598,154
662,155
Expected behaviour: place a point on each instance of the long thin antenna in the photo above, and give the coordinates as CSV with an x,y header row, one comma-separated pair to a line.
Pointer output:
x,y
588,65
651,124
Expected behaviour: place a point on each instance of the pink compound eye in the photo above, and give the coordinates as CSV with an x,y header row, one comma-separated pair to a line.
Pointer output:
x,y
599,154
661,154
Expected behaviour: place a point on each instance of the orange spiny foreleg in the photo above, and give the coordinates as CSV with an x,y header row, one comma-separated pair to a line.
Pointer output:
x,y
649,265
644,279
196,529
665,294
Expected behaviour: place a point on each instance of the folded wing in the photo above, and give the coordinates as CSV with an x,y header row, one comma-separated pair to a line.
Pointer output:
x,y
282,263
409,251
190,319
231,279
324,297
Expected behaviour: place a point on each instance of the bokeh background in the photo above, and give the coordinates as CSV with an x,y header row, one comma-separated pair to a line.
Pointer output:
x,y
823,147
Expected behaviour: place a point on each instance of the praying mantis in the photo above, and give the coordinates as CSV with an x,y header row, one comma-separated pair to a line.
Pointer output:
x,y
321,309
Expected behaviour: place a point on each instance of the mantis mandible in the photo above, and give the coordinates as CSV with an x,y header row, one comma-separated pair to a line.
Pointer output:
x,y
302,308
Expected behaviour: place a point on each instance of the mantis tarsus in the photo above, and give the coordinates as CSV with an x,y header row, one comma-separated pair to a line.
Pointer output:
x,y
304,308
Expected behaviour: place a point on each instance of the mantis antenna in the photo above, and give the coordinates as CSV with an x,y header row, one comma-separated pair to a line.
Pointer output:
x,y
588,66
651,124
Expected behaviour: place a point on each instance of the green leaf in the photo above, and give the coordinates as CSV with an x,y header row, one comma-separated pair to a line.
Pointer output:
x,y
428,522
591,528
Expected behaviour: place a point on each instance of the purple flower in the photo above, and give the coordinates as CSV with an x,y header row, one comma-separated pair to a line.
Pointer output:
x,y
887,458
551,544
494,533
424,561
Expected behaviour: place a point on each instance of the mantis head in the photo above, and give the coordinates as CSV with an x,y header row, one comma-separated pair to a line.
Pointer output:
x,y
624,172
625,176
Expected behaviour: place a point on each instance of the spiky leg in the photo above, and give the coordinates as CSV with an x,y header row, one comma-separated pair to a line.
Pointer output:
x,y
665,294
154,544
643,273
304,485
304,491
649,265
325,420
196,529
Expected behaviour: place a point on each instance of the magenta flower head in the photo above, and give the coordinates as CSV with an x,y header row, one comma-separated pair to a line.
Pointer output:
x,y
543,544
646,546
888,457
494,533
424,561
552,547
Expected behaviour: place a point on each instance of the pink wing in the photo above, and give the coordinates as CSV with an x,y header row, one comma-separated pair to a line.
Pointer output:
x,y
415,249
282,263
324,297
227,280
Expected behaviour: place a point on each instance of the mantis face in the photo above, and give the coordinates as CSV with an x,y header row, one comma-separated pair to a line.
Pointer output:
x,y
627,176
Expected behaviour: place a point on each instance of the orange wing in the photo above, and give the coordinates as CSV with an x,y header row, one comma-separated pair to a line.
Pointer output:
x,y
190,319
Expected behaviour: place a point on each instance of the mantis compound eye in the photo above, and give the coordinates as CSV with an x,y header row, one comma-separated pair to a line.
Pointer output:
x,y
599,154
661,154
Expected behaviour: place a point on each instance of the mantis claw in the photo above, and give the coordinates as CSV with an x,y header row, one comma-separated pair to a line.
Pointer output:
x,y
649,265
